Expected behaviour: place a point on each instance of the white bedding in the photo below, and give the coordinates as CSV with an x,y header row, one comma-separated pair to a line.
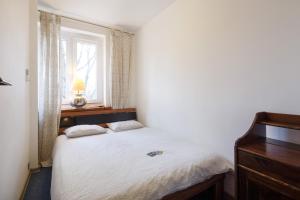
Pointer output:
x,y
115,166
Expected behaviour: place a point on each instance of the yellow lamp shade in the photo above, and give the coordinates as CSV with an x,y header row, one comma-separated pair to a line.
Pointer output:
x,y
78,85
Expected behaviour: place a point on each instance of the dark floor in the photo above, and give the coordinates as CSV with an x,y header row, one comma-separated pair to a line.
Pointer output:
x,y
39,185
40,182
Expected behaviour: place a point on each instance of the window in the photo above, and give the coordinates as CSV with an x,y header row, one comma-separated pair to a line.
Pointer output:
x,y
82,57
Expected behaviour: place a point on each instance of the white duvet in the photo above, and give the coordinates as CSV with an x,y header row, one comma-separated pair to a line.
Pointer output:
x,y
115,166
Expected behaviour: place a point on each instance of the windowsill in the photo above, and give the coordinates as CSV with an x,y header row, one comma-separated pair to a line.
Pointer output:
x,y
87,107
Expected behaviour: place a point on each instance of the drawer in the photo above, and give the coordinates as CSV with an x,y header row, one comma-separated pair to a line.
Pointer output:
x,y
258,187
270,168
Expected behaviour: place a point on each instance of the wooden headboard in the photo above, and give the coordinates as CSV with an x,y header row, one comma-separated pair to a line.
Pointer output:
x,y
96,115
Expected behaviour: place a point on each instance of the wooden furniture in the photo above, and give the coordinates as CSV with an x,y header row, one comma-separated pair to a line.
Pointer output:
x,y
91,114
216,182
266,168
94,115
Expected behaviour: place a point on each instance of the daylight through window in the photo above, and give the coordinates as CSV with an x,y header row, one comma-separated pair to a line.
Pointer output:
x,y
82,57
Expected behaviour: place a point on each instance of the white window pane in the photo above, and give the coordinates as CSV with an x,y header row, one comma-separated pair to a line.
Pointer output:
x,y
66,79
86,67
79,58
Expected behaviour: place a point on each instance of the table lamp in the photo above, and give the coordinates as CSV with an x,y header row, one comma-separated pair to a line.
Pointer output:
x,y
78,89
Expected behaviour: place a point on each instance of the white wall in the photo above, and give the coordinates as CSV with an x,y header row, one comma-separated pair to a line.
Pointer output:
x,y
14,104
205,67
34,163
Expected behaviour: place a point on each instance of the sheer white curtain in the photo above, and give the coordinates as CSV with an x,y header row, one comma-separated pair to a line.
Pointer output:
x,y
121,53
49,88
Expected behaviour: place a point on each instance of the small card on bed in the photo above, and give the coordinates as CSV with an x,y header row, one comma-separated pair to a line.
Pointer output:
x,y
155,153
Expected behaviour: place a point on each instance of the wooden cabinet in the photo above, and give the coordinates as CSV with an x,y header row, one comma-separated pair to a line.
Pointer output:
x,y
266,168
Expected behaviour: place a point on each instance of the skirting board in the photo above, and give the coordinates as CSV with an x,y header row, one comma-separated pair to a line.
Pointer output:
x,y
27,182
25,186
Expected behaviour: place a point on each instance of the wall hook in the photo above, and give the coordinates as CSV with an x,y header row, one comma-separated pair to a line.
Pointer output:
x,y
3,82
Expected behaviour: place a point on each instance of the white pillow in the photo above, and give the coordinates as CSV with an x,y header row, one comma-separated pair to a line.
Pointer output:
x,y
84,130
124,125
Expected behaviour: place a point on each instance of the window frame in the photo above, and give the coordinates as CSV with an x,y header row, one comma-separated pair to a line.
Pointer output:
x,y
99,66
72,38
98,31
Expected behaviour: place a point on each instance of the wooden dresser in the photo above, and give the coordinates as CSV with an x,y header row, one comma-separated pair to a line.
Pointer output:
x,y
266,168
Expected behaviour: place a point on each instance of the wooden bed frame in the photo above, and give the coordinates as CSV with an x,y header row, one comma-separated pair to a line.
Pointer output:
x,y
94,115
102,115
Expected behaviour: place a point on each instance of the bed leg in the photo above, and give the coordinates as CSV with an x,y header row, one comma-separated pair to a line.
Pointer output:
x,y
219,190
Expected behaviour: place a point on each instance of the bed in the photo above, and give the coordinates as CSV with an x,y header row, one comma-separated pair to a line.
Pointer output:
x,y
115,166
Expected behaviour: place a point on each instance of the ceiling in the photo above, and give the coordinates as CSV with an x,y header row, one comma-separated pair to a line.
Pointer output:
x,y
125,14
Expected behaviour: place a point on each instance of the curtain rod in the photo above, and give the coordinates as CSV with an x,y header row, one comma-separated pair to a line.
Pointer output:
x,y
79,20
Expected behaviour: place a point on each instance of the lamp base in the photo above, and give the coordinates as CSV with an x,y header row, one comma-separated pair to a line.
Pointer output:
x,y
78,101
